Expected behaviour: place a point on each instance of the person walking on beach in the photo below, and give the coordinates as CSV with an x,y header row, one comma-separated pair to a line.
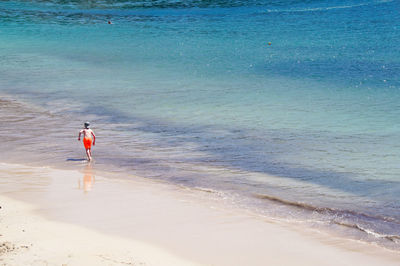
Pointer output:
x,y
87,139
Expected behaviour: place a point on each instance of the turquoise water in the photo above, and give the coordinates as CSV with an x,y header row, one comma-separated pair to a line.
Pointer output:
x,y
192,92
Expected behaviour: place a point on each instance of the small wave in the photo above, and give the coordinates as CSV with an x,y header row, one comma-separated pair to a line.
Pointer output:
x,y
325,8
208,190
326,210
343,217
202,189
393,238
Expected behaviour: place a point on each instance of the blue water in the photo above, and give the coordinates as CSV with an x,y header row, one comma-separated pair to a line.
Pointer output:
x,y
192,92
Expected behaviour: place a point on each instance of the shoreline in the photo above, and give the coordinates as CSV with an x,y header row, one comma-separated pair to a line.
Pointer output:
x,y
267,195
170,223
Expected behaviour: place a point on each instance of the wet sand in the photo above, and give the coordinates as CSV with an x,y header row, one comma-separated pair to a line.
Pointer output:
x,y
52,216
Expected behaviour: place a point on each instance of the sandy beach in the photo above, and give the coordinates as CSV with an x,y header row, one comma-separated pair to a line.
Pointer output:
x,y
65,217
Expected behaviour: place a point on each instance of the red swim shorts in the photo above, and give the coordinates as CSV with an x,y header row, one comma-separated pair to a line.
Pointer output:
x,y
87,142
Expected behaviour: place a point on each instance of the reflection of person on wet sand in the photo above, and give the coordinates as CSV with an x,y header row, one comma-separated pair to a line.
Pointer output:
x,y
88,179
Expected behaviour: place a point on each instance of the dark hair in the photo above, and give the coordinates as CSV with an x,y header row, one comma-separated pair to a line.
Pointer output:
x,y
87,124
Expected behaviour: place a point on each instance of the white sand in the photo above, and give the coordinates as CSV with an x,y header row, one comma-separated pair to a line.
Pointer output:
x,y
28,239
139,222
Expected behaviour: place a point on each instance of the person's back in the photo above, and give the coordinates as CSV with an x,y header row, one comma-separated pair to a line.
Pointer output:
x,y
87,133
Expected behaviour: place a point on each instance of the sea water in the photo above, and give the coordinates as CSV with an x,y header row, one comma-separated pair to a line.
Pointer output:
x,y
291,108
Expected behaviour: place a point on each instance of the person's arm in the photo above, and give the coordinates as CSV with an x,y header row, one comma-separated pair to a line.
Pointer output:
x,y
79,136
94,138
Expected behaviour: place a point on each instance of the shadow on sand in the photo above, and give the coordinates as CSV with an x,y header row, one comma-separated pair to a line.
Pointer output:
x,y
76,160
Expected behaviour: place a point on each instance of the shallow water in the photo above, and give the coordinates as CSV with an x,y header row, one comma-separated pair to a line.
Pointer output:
x,y
191,92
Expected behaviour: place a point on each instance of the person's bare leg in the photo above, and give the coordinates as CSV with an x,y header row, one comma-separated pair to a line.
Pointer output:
x,y
88,155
